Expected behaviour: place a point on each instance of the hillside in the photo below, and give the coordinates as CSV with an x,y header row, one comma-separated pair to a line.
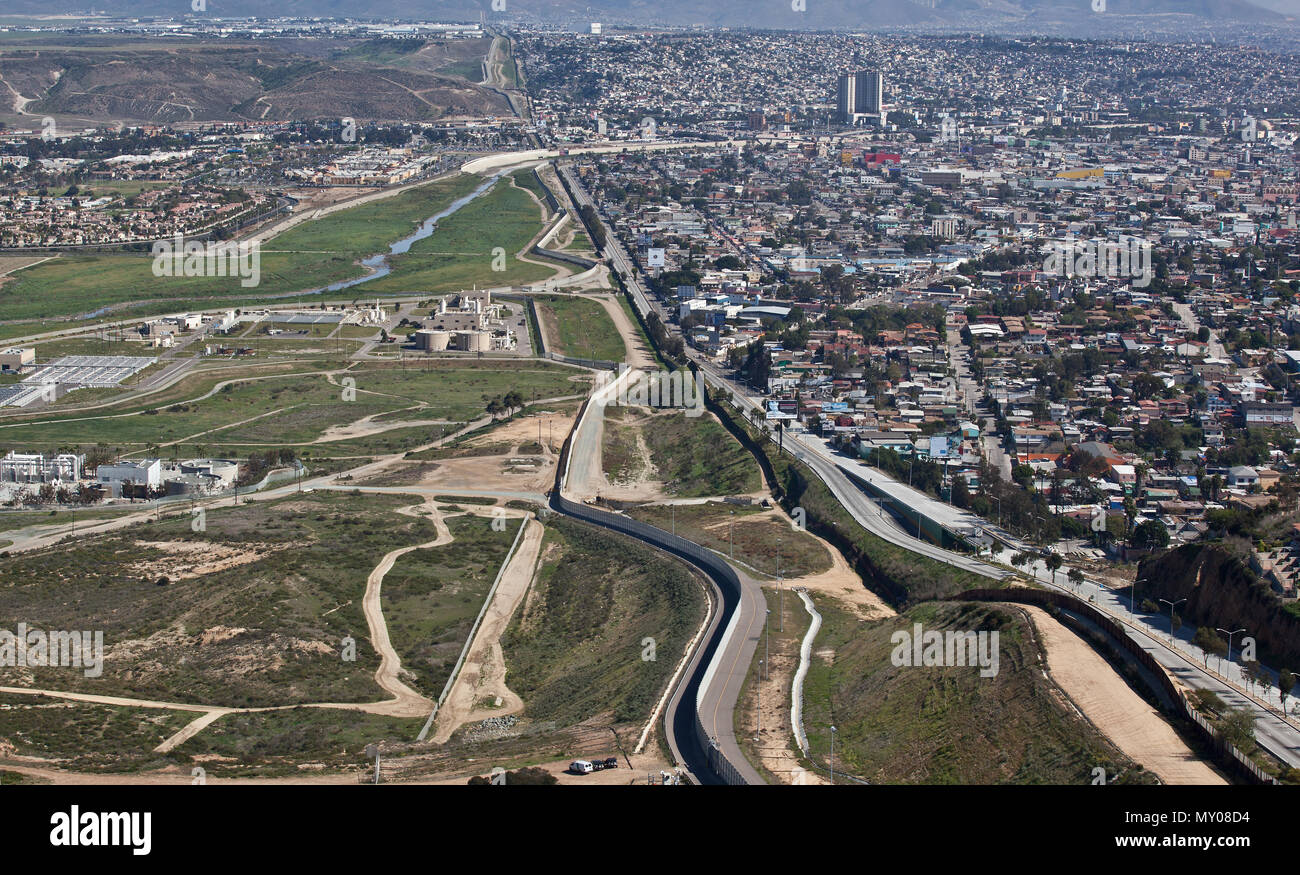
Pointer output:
x,y
931,725
1222,592
167,82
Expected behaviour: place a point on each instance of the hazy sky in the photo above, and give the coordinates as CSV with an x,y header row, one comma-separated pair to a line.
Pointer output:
x,y
1287,6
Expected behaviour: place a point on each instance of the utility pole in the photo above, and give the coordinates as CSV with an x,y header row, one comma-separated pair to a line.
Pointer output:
x,y
780,584
767,644
1229,634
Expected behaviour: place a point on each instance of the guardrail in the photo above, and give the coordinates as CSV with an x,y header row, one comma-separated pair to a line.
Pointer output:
x,y
1225,752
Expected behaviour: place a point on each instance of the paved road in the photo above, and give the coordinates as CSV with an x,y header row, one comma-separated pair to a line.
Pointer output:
x,y
1215,348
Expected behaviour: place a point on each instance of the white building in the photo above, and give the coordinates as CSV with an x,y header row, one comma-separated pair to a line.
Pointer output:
x,y
146,472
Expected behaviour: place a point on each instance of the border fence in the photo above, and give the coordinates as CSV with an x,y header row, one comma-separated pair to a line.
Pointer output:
x,y
1225,753
723,576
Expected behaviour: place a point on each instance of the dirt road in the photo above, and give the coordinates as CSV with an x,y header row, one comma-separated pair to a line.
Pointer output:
x,y
482,678
1135,727
406,701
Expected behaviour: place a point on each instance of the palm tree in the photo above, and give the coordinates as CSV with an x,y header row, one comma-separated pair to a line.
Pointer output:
x,y
1076,578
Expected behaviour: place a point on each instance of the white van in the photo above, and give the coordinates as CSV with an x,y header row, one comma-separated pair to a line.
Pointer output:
x,y
581,767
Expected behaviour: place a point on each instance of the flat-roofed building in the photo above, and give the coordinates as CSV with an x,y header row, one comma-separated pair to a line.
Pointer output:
x,y
144,474
16,358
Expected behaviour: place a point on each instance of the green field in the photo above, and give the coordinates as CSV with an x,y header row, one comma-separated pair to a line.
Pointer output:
x,y
432,597
296,409
93,345
580,243
312,254
460,252
527,179
693,457
89,737
273,743
468,69
580,328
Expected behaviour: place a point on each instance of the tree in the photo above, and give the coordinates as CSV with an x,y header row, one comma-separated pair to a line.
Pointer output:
x,y
1150,535
1076,578
1238,728
1054,561
1146,386
1285,684
1260,675
1210,643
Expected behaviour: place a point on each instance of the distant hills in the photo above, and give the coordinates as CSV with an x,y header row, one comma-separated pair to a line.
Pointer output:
x,y
142,81
1066,15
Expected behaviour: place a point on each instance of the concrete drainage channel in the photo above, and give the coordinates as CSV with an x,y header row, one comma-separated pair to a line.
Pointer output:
x,y
805,659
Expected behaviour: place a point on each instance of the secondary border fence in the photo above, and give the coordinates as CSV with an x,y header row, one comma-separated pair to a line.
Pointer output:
x,y
550,195
712,565
1225,753
473,630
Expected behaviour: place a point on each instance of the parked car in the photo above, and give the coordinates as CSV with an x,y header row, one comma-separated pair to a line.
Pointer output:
x,y
611,763
581,767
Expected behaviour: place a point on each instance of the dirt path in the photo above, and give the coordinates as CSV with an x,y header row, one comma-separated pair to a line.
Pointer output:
x,y
844,585
406,701
483,676
1135,727
774,740
191,729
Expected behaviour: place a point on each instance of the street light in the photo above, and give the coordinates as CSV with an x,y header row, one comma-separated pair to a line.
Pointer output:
x,y
1172,605
1229,634
832,757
